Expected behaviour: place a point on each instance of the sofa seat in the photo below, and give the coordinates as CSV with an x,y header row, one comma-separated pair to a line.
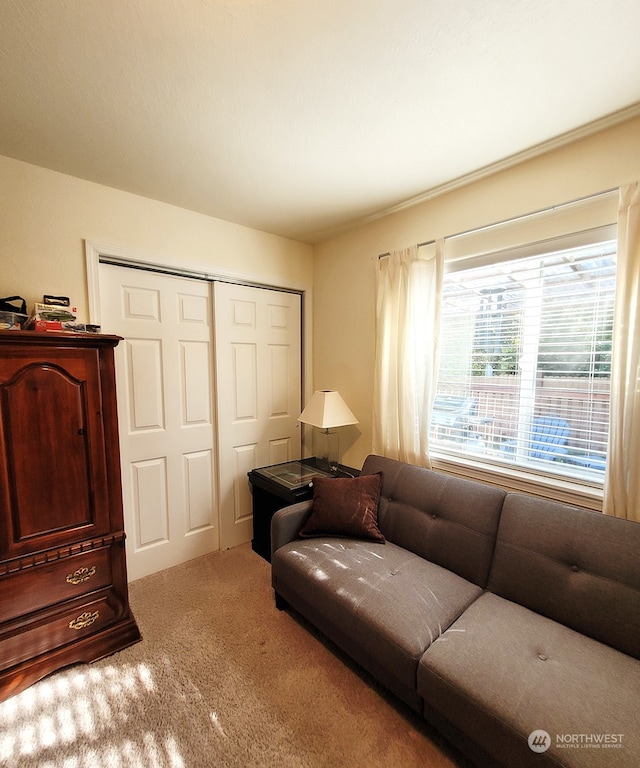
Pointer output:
x,y
502,671
379,602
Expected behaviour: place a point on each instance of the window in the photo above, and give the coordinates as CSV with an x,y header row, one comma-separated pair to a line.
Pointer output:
x,y
525,358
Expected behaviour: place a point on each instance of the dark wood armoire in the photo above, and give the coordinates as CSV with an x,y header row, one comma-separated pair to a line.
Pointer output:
x,y
63,578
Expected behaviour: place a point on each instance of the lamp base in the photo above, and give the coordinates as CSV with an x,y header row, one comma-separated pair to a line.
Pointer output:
x,y
327,449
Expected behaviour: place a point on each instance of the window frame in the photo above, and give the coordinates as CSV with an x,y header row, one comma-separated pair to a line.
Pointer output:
x,y
571,488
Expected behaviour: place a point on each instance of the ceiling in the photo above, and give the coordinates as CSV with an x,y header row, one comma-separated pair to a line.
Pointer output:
x,y
302,117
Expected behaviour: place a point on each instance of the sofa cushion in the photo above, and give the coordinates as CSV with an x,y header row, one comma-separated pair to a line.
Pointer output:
x,y
387,603
578,567
450,521
501,672
345,506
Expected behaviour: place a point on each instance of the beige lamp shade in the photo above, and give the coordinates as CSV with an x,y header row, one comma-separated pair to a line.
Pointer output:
x,y
327,409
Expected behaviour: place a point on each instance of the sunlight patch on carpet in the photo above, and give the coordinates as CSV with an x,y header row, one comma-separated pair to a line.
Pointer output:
x,y
216,724
89,704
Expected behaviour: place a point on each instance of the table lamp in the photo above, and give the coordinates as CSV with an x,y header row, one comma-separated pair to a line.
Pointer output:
x,y
327,410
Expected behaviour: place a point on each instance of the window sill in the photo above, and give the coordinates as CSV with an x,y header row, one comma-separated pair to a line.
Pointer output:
x,y
513,479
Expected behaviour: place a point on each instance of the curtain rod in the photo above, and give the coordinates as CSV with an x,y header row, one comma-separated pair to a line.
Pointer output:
x,y
420,245
537,212
517,218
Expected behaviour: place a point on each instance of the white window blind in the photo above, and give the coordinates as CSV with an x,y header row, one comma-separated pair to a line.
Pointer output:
x,y
525,357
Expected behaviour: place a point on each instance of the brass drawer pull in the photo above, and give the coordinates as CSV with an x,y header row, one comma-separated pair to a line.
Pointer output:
x,y
82,574
85,619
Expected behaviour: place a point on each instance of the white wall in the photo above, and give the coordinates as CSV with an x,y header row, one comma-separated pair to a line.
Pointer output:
x,y
344,312
46,216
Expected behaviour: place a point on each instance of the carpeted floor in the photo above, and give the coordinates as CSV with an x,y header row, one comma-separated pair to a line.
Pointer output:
x,y
221,678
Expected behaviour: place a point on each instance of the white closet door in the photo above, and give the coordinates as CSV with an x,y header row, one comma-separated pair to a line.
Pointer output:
x,y
258,373
164,371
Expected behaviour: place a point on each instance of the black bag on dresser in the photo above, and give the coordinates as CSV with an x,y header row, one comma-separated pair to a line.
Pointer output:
x,y
7,306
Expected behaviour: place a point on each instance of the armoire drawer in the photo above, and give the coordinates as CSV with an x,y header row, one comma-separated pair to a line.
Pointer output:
x,y
48,583
55,630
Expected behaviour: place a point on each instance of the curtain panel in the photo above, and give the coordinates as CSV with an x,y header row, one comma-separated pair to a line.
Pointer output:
x,y
622,481
408,300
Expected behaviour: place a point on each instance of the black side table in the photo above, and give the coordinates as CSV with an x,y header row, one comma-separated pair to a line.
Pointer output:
x,y
279,486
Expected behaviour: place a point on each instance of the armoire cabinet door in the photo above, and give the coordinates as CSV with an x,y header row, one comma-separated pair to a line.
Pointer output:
x,y
53,468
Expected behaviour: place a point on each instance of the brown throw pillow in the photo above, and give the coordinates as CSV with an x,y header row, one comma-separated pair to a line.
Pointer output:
x,y
345,506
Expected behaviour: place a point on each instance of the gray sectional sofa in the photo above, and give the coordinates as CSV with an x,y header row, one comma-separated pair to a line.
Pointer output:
x,y
510,623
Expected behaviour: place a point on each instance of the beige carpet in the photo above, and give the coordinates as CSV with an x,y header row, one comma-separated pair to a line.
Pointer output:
x,y
221,678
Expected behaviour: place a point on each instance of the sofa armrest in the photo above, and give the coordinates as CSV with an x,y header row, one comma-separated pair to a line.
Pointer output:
x,y
287,521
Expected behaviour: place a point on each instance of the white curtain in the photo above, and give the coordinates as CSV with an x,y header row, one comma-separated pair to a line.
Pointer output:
x,y
408,300
622,484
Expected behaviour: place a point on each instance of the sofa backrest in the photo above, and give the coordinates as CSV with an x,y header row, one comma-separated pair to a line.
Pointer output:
x,y
449,521
575,566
